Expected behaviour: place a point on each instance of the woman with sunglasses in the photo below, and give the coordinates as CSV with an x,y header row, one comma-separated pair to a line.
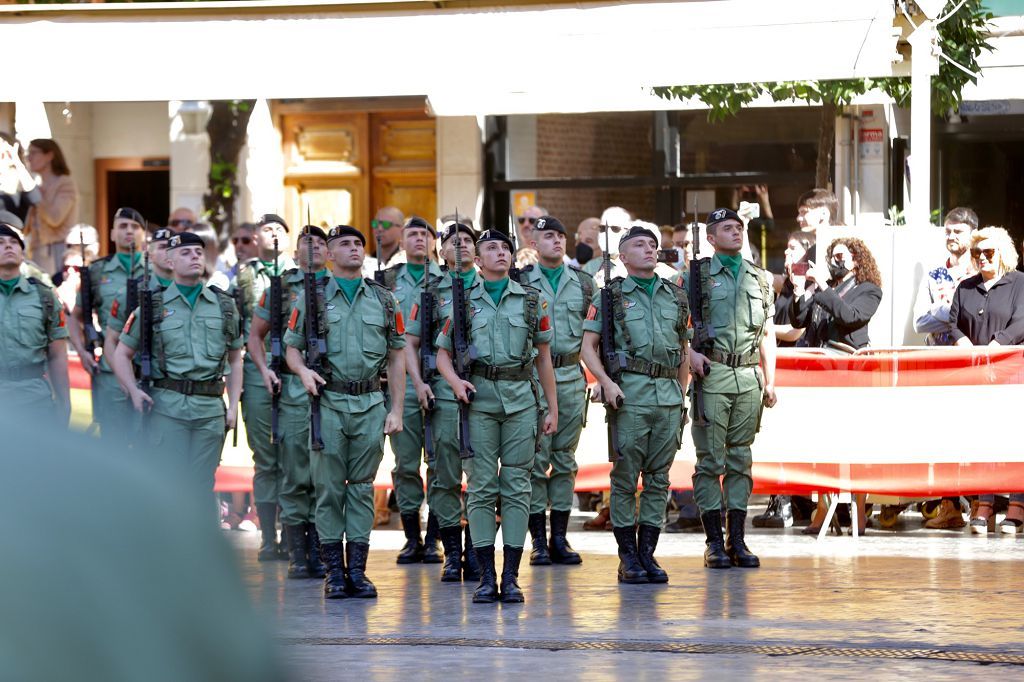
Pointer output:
x,y
834,306
988,310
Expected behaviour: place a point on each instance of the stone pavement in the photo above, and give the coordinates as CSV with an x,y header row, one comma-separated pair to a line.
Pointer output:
x,y
911,603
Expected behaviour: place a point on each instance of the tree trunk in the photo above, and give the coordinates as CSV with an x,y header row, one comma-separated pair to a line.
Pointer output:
x,y
826,143
227,130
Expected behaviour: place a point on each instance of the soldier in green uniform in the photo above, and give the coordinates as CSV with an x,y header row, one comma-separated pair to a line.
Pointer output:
x,y
651,315
116,274
738,380
196,342
444,475
511,331
365,332
298,498
160,278
33,333
252,280
554,471
406,281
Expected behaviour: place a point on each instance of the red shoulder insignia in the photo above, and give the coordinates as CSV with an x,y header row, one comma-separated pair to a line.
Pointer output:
x,y
294,319
399,322
592,312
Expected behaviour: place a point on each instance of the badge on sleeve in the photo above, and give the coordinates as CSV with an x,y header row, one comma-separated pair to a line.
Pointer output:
x,y
294,319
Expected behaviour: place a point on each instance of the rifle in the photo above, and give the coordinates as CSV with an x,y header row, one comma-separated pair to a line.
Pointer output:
x,y
428,358
92,335
131,296
316,343
612,361
514,273
145,354
703,333
276,332
378,276
463,351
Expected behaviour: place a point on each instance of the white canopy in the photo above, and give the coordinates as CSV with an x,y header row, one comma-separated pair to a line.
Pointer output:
x,y
480,59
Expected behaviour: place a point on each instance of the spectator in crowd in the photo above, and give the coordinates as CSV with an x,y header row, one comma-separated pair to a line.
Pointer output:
x,y
211,276
387,232
834,306
681,241
244,248
615,220
815,208
988,310
50,219
18,189
587,246
181,219
527,255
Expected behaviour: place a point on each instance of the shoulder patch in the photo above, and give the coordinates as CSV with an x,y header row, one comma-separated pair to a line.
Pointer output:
x,y
114,307
294,319
63,318
592,312
128,325
399,322
545,323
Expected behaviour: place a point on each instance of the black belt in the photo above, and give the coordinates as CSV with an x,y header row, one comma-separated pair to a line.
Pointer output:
x,y
23,373
651,369
567,360
352,387
494,373
212,389
749,359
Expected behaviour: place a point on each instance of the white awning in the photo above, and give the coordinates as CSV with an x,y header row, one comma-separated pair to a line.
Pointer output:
x,y
479,60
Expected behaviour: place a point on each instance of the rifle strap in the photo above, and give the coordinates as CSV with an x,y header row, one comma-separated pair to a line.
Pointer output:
x,y
157,315
683,305
615,288
387,301
705,290
766,299
531,314
46,301
587,284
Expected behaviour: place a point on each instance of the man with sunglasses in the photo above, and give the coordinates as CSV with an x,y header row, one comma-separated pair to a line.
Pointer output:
x,y
252,280
527,255
116,274
387,231
181,219
245,245
615,221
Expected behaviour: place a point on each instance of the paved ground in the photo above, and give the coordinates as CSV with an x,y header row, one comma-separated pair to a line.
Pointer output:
x,y
886,605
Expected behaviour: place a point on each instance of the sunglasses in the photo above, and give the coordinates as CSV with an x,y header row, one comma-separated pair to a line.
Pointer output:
x,y
182,222
382,224
613,228
990,254
523,219
245,241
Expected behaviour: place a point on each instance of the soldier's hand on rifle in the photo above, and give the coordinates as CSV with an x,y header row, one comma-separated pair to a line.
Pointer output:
x,y
231,418
141,400
463,389
392,423
769,396
550,423
611,394
271,382
699,363
88,363
312,381
424,395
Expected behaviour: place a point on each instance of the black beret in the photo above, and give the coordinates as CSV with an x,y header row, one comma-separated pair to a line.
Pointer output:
x,y
339,231
495,236
128,213
638,231
315,231
163,234
12,231
185,239
549,223
449,231
720,215
422,224
268,218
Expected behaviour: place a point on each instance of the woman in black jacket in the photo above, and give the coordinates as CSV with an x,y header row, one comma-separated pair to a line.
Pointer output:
x,y
835,307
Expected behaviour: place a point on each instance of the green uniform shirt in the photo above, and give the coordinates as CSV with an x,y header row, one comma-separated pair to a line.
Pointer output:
x,y
193,344
567,309
253,279
501,336
292,285
408,291
118,313
109,278
26,335
442,311
653,323
738,314
358,340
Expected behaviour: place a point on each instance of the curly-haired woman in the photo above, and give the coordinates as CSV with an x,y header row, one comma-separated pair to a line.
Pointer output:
x,y
988,310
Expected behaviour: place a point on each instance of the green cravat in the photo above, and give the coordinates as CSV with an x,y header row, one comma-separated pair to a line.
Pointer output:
x,y
7,285
468,277
163,282
126,260
349,286
646,283
415,270
553,275
496,289
191,293
731,262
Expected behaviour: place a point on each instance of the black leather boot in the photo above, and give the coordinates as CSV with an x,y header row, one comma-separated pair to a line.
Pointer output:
x,y
282,546
357,584
487,591
538,531
561,551
630,569
431,551
647,542
334,562
714,553
451,538
297,566
470,565
266,512
412,552
510,592
778,514
735,546
313,560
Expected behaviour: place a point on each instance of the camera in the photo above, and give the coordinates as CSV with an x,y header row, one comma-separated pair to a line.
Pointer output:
x,y
668,256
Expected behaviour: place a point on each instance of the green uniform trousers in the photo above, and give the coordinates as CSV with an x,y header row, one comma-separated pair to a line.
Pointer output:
x,y
193,446
112,410
344,470
408,448
649,438
298,497
554,469
723,449
511,441
444,475
266,480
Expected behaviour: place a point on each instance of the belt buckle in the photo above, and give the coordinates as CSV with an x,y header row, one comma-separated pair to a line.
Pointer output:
x,y
187,386
352,387
733,360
